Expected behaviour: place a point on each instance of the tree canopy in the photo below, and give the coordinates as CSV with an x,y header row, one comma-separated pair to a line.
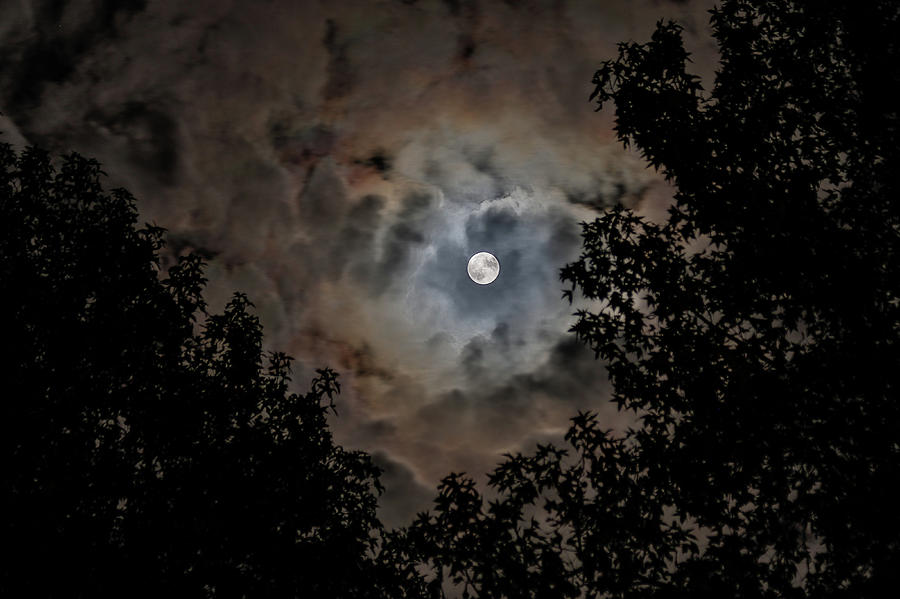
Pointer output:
x,y
151,450
154,449
754,332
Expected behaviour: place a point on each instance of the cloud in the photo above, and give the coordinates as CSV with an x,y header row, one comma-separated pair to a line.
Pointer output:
x,y
404,495
340,162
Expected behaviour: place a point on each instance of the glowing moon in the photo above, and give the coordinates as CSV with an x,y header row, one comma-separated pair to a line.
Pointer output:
x,y
483,268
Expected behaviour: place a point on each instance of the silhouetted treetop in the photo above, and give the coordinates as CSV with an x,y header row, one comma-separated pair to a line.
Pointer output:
x,y
151,449
754,332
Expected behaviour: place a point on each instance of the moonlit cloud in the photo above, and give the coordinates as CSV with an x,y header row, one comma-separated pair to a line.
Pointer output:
x,y
339,162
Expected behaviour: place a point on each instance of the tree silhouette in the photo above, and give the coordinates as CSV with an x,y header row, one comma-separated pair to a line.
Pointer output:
x,y
149,452
754,332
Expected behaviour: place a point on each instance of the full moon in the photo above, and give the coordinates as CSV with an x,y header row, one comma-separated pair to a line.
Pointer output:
x,y
483,268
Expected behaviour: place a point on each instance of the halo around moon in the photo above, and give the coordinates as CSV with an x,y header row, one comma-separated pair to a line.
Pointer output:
x,y
483,268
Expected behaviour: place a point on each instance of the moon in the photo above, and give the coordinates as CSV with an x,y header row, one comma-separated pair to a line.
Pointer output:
x,y
483,268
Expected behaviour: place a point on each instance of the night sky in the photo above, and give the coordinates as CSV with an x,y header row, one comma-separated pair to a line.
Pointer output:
x,y
339,162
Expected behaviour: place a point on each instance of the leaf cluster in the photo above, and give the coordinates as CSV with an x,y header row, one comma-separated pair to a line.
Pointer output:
x,y
151,447
753,331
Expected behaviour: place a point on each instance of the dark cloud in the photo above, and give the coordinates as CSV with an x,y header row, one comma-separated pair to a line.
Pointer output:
x,y
323,199
340,71
511,413
402,240
404,495
301,148
362,361
569,374
149,133
340,162
60,38
467,47
355,244
378,160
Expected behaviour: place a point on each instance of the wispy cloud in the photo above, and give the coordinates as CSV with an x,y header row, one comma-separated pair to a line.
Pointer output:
x,y
340,161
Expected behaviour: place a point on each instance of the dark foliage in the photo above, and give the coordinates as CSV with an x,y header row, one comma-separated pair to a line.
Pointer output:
x,y
148,449
754,332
